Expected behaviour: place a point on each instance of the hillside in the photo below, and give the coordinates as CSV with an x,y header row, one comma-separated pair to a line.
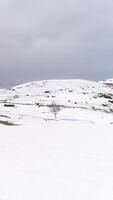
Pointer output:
x,y
77,100
56,141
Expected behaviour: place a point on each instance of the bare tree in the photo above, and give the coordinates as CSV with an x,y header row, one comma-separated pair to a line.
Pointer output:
x,y
54,108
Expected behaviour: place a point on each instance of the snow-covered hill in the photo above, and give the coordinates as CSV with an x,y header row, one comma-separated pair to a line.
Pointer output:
x,y
77,100
68,157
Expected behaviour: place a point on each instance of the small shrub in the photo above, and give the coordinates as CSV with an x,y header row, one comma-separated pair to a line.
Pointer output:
x,y
54,108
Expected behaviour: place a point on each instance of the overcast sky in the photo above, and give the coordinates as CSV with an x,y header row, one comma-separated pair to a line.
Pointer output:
x,y
47,39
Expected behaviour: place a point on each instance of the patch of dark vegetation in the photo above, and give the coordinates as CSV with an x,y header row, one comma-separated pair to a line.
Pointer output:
x,y
109,85
108,110
9,105
7,123
5,116
105,105
96,109
110,101
70,90
38,104
106,96
47,92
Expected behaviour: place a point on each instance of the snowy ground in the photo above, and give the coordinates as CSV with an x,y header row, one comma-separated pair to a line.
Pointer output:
x,y
67,158
57,160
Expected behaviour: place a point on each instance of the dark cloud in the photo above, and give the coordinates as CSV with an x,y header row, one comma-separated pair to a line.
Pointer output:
x,y
42,39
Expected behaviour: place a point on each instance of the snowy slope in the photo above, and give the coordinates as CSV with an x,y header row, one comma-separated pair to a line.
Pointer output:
x,y
77,99
70,157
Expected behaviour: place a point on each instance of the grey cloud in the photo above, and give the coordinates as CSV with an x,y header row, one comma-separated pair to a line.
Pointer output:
x,y
41,39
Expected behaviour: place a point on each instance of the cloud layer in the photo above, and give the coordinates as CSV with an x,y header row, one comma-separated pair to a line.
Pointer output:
x,y
42,39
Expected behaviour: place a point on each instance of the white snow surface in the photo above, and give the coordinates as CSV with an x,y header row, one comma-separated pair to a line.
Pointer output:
x,y
70,157
78,100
